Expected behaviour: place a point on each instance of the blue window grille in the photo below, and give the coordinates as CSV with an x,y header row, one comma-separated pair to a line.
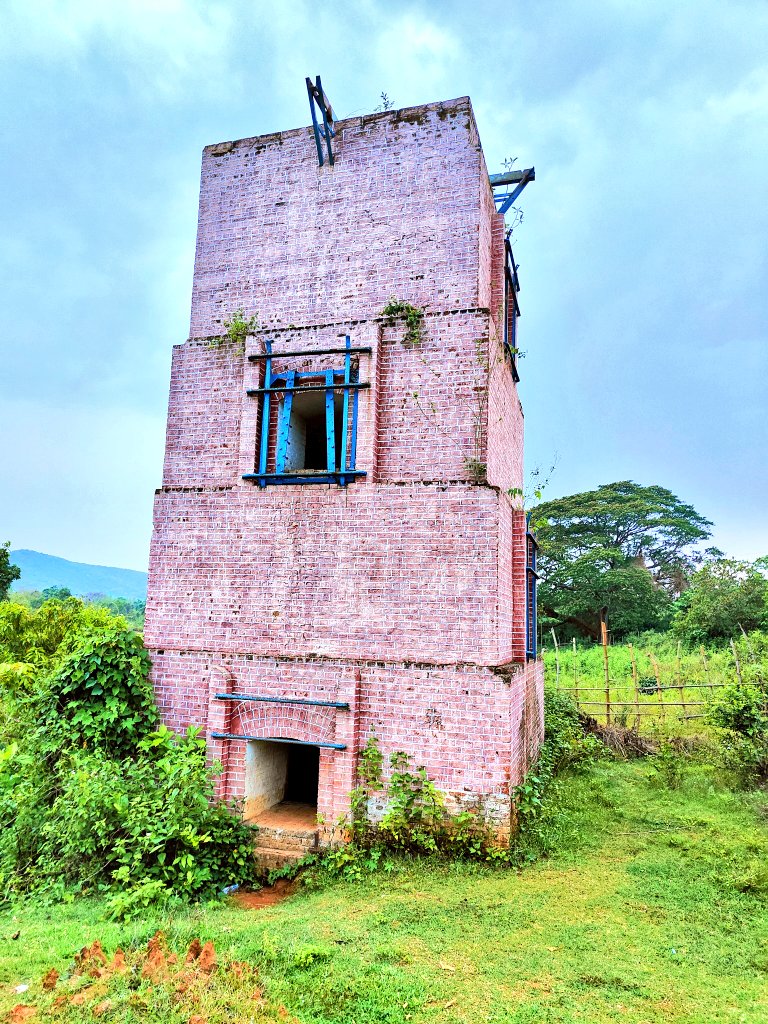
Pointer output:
x,y
511,307
531,580
315,413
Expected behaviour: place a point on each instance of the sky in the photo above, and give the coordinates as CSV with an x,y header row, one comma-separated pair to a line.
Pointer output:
x,y
643,248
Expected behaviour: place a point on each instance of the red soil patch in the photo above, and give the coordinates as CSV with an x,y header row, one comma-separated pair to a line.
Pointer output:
x,y
21,1013
266,897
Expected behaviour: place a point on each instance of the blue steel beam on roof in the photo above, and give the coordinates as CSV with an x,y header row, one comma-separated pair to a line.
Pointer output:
x,y
520,178
319,101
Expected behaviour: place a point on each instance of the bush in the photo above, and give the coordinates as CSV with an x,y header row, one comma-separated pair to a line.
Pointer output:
x,y
741,715
146,820
93,797
100,697
415,821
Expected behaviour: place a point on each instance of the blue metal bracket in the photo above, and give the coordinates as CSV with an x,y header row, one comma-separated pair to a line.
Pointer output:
x,y
531,595
318,101
276,739
518,178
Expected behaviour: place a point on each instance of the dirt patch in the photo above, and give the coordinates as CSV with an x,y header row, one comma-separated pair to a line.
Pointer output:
x,y
195,987
266,897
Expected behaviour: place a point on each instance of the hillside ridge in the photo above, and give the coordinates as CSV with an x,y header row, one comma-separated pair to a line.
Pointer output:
x,y
39,571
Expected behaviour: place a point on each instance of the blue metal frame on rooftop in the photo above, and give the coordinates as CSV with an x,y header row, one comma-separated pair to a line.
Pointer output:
x,y
318,101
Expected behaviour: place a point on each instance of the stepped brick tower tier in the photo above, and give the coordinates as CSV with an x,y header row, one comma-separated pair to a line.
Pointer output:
x,y
338,547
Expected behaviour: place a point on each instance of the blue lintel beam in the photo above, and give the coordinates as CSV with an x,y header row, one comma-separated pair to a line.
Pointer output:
x,y
283,700
276,739
330,385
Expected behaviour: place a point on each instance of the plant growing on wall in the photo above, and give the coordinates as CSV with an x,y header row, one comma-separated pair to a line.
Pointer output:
x,y
413,316
237,328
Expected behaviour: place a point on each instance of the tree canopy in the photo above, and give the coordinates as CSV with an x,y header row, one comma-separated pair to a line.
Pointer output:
x,y
8,571
726,597
624,548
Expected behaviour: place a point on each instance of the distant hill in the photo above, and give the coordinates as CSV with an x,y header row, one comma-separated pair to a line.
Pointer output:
x,y
39,571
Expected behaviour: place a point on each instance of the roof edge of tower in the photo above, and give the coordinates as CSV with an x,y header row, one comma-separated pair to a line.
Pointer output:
x,y
412,115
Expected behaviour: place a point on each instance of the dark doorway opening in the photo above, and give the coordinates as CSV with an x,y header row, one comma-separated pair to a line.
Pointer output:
x,y
302,775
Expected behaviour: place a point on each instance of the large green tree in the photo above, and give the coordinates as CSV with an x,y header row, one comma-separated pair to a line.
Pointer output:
x,y
623,548
8,571
726,596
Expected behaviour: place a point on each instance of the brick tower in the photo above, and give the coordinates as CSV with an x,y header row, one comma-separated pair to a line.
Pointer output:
x,y
335,547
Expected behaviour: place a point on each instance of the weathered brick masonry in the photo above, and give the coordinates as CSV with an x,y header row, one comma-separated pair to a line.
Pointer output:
x,y
402,594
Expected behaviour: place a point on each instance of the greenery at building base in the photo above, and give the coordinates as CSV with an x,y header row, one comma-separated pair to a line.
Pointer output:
x,y
651,907
94,796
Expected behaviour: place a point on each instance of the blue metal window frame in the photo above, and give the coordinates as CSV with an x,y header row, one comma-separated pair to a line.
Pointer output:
x,y
288,383
511,288
531,596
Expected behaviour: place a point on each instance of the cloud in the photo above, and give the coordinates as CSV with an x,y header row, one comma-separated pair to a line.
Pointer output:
x,y
159,42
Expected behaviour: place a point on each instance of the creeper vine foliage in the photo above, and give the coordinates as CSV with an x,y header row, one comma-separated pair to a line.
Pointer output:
x,y
413,316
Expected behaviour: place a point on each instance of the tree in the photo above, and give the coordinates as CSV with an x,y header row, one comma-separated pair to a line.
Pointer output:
x,y
725,597
623,547
8,571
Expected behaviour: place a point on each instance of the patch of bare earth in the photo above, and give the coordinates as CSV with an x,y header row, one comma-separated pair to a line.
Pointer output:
x,y
153,984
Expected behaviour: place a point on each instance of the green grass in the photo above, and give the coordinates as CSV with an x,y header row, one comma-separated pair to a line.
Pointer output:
x,y
654,908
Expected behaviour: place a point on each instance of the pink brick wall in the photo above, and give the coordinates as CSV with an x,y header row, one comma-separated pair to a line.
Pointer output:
x,y
398,214
476,731
402,594
382,571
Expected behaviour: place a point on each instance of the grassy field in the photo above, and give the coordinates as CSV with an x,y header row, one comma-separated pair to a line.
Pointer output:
x,y
654,908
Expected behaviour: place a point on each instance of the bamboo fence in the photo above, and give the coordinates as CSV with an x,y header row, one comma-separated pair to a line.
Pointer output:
x,y
637,684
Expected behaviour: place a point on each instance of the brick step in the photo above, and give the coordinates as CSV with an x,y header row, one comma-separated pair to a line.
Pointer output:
x,y
286,839
269,859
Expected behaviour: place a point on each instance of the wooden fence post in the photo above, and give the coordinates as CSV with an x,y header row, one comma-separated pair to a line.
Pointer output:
x,y
706,668
659,691
557,659
604,638
575,673
634,683
736,662
680,679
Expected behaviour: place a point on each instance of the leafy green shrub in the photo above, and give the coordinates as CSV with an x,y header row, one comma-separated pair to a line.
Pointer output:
x,y
741,715
38,636
101,696
151,819
742,709
92,796
416,822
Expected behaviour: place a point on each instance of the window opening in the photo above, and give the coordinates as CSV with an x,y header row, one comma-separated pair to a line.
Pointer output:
x,y
531,583
316,416
511,306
